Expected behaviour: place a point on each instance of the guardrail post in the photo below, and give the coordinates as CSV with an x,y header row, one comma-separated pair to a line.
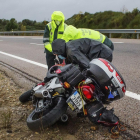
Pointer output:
x,y
137,36
109,35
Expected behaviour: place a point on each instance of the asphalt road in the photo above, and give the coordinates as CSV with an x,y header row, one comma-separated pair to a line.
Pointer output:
x,y
126,60
126,57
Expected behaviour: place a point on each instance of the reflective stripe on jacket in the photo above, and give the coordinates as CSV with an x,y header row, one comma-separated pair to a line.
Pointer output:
x,y
48,41
92,34
52,27
72,33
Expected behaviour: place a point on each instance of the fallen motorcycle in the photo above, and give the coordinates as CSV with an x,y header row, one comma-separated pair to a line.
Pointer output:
x,y
82,91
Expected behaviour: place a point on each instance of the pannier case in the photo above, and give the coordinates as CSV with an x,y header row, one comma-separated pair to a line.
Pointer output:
x,y
108,77
70,74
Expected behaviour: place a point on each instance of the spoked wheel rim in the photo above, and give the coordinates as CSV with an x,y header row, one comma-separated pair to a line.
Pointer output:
x,y
49,116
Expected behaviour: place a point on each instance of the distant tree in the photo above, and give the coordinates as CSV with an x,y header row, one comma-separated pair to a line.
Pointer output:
x,y
23,28
80,12
39,26
79,15
135,11
12,24
27,22
124,10
135,23
4,22
45,22
0,21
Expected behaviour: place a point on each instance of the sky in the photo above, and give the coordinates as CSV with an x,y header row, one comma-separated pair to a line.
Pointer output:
x,y
41,10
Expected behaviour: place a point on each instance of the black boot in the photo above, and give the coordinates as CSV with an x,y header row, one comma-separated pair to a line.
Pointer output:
x,y
108,118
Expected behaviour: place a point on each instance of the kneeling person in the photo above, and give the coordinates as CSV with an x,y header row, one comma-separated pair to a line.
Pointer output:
x,y
81,51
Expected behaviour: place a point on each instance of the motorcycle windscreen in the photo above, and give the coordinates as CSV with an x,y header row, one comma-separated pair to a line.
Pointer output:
x,y
108,77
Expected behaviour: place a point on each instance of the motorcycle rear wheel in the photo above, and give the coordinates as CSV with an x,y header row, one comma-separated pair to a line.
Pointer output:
x,y
40,121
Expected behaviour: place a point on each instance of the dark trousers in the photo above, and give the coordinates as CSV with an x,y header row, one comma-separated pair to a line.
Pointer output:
x,y
50,59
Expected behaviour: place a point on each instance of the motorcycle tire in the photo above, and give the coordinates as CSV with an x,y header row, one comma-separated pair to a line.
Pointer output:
x,y
40,121
25,97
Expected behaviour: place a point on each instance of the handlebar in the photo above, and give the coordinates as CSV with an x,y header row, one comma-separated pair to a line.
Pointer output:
x,y
51,72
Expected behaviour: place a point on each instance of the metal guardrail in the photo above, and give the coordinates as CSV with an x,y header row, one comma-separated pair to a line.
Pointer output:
x,y
132,31
110,31
22,32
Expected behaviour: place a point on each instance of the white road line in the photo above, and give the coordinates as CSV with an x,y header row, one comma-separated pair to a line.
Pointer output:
x,y
26,60
128,93
39,44
37,38
33,43
36,44
10,37
118,42
132,95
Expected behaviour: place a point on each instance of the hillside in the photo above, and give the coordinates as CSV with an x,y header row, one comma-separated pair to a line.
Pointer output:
x,y
99,20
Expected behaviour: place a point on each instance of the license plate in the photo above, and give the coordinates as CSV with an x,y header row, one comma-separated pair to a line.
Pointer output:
x,y
76,98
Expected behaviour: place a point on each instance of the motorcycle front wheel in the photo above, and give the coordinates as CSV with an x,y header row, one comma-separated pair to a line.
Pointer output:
x,y
25,97
40,121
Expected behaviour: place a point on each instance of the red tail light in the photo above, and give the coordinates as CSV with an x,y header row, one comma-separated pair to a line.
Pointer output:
x,y
88,91
124,89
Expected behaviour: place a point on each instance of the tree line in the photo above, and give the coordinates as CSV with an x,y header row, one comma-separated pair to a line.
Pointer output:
x,y
24,25
99,20
108,20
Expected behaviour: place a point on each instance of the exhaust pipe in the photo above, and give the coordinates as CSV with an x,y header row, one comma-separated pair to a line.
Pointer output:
x,y
42,94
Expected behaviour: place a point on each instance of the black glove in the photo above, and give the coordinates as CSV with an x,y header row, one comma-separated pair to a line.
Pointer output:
x,y
46,79
84,73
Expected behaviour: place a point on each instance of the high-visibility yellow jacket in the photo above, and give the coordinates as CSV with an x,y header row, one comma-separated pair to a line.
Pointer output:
x,y
52,31
72,33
